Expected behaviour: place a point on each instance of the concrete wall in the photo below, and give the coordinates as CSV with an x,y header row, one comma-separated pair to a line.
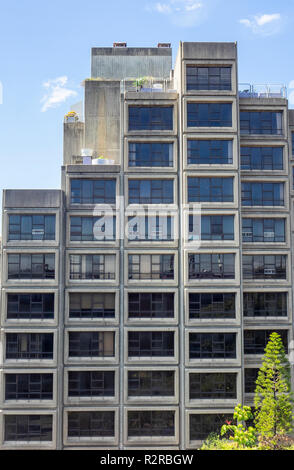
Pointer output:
x,y
73,140
122,62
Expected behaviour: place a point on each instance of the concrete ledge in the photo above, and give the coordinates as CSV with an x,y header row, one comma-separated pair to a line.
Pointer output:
x,y
33,198
209,50
93,168
263,102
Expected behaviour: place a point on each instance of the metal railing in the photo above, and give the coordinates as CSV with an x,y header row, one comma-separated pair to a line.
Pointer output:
x,y
248,90
147,84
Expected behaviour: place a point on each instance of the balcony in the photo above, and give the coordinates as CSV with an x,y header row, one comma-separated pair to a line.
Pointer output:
x,y
248,90
147,85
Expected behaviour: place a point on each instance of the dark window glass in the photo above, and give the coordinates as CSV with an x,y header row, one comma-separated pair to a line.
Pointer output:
x,y
28,386
262,194
255,341
92,228
211,305
212,346
150,343
92,383
151,305
31,227
29,345
213,227
31,266
30,306
28,428
261,122
150,383
209,114
212,386
250,379
265,304
99,191
201,425
158,154
91,344
264,266
150,118
151,228
92,267
263,230
211,266
151,267
151,191
90,305
151,423
90,424
210,189
262,158
209,152
292,138
208,78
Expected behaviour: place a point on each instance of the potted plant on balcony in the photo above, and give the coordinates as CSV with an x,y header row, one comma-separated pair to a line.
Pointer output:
x,y
71,116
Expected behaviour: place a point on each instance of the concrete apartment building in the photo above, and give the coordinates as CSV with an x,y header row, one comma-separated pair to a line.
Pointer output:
x,y
137,300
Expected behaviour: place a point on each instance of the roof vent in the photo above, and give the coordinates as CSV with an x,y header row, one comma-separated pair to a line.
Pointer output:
x,y
163,44
119,44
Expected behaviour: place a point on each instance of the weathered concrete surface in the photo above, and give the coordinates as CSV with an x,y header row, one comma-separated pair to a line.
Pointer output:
x,y
18,198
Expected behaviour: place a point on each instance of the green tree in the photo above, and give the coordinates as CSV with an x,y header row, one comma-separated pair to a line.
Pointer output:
x,y
273,397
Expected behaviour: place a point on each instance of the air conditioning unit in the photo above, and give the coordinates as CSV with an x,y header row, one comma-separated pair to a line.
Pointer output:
x,y
37,231
268,271
247,234
269,234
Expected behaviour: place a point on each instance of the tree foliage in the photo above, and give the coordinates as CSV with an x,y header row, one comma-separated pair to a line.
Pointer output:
x,y
273,397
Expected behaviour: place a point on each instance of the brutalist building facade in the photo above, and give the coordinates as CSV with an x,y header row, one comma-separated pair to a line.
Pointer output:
x,y
136,301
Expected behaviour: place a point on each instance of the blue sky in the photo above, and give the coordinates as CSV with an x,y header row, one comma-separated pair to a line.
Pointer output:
x,y
45,54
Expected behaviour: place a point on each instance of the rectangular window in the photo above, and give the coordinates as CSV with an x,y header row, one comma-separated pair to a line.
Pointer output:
x,y
29,345
210,189
92,228
92,267
29,428
28,386
151,423
150,344
250,379
91,305
208,78
30,306
255,341
262,158
201,425
91,343
31,227
91,383
209,152
212,345
265,304
261,122
98,191
31,266
263,230
89,424
211,306
150,118
211,266
157,383
212,386
157,191
151,228
213,227
263,194
209,114
150,154
292,139
151,267
151,305
264,266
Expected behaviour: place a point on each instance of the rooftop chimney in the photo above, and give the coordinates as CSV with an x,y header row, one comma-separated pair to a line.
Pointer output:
x,y
119,44
164,44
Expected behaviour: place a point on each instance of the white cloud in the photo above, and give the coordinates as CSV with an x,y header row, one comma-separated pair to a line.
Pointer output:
x,y
263,24
56,93
180,12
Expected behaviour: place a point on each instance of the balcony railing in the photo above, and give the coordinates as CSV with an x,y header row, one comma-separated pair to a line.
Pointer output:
x,y
247,90
147,84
